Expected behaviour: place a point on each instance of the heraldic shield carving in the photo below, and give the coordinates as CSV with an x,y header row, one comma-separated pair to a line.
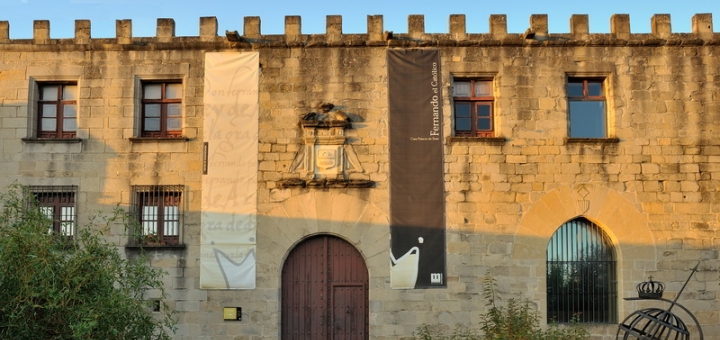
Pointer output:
x,y
325,158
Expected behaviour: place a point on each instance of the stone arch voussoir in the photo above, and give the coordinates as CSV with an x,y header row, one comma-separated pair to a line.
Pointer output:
x,y
359,222
619,217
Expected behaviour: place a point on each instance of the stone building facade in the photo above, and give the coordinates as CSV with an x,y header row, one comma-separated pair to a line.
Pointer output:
x,y
514,172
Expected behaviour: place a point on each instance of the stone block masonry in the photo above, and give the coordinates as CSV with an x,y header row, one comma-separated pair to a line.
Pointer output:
x,y
651,182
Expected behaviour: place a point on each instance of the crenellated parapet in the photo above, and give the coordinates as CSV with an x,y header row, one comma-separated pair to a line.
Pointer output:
x,y
252,37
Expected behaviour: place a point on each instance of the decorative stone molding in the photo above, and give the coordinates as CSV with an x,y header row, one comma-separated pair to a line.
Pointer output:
x,y
583,204
325,159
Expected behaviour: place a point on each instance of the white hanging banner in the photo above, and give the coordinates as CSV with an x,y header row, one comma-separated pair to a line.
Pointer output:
x,y
229,182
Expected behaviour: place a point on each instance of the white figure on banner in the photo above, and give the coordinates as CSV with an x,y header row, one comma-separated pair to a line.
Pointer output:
x,y
237,274
404,271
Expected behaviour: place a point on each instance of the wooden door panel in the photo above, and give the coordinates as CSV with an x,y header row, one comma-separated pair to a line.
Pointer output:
x,y
347,265
348,313
303,295
324,291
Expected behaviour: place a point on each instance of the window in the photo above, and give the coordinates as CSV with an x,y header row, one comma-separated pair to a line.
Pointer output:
x,y
473,101
58,204
57,110
157,209
161,109
581,280
587,108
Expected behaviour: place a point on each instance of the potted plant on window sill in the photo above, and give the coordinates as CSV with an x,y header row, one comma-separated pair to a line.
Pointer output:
x,y
151,239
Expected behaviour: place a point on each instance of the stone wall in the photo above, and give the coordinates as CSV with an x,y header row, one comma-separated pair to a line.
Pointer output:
x,y
652,185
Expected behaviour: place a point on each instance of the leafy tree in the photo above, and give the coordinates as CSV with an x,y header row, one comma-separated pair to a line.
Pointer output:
x,y
55,288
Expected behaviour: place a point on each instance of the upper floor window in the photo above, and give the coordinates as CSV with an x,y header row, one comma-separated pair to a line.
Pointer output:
x,y
581,274
473,104
586,100
158,211
161,109
57,110
58,204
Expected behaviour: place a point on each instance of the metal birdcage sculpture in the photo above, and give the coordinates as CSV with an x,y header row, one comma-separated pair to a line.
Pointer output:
x,y
657,323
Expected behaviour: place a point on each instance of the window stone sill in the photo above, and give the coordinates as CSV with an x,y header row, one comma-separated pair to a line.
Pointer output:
x,y
138,246
158,139
52,140
482,140
570,140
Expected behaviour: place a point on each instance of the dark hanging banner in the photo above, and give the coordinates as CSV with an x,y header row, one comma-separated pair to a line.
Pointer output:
x,y
417,202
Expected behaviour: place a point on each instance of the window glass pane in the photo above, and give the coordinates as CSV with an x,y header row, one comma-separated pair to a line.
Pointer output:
x,y
461,89
152,110
149,227
69,92
173,110
153,91
48,124
484,124
483,110
67,213
462,124
587,119
69,124
173,124
171,213
149,218
48,212
171,228
49,92
67,228
152,124
149,213
49,110
575,89
462,109
483,88
69,111
173,91
595,89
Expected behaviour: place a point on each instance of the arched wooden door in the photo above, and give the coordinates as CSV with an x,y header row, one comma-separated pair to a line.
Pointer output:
x,y
324,291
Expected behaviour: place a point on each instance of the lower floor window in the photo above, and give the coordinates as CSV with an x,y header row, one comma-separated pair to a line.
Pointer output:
x,y
57,203
158,212
581,274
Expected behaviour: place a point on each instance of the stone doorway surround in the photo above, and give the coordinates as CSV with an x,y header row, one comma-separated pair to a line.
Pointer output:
x,y
293,218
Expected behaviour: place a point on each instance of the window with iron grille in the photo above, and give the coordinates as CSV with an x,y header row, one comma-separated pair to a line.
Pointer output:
x,y
161,109
57,110
58,204
159,214
473,108
581,274
586,115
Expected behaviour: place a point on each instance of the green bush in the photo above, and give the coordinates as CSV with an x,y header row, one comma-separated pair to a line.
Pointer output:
x,y
426,332
517,320
55,288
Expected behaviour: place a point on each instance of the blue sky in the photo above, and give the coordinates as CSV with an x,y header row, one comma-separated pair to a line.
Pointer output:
x,y
144,13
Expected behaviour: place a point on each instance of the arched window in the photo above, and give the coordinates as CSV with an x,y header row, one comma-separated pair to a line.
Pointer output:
x,y
581,279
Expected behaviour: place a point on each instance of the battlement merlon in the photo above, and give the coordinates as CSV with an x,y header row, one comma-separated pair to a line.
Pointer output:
x,y
702,32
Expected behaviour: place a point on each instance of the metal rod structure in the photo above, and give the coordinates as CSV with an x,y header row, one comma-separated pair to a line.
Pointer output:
x,y
658,320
